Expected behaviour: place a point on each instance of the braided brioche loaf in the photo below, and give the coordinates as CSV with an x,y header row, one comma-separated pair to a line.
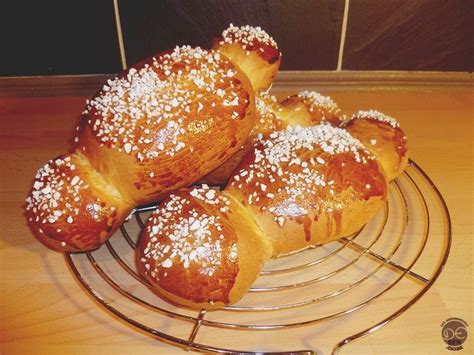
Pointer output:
x,y
156,127
296,188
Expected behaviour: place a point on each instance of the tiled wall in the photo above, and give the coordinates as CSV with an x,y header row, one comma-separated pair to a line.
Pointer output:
x,y
47,37
80,37
410,35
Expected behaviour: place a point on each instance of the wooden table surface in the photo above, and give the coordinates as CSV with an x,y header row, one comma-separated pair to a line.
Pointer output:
x,y
43,310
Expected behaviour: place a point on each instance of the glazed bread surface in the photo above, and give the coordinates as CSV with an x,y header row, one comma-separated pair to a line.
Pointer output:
x,y
307,108
256,53
72,207
200,249
309,186
167,124
382,135
297,188
267,120
156,127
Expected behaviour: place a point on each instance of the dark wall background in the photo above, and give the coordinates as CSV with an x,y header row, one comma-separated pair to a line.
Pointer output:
x,y
53,37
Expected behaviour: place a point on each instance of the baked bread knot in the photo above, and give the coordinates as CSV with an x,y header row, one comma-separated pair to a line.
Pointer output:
x,y
297,188
309,108
254,51
201,249
72,207
309,186
156,127
382,135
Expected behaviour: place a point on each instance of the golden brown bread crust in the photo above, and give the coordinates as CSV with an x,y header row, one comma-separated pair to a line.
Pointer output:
x,y
296,188
169,120
307,108
220,175
382,135
268,117
299,187
254,51
308,186
267,121
200,250
164,125
71,207
158,126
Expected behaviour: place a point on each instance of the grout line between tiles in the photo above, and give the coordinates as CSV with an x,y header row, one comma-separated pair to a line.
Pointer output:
x,y
123,57
343,35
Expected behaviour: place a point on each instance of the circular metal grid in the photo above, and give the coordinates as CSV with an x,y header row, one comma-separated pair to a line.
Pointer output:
x,y
325,294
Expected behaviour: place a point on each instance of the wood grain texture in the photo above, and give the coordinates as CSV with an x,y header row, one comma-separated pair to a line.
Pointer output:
x,y
307,31
410,35
44,311
58,37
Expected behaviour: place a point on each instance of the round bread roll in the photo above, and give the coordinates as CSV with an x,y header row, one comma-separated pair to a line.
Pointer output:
x,y
309,186
201,249
256,53
309,108
382,135
72,207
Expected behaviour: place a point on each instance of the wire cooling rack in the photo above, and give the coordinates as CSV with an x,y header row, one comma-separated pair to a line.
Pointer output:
x,y
318,300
